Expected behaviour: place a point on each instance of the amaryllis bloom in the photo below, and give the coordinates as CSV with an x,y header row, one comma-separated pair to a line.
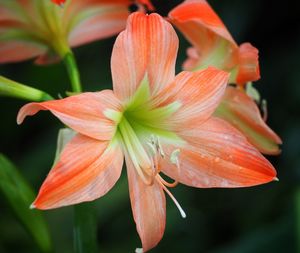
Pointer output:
x,y
212,43
214,46
43,30
160,123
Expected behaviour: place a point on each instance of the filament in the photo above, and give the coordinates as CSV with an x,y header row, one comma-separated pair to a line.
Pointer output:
x,y
183,215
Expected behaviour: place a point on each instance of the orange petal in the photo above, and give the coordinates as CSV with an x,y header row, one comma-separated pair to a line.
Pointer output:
x,y
202,27
217,155
95,20
148,206
248,69
242,112
87,169
199,94
84,113
148,48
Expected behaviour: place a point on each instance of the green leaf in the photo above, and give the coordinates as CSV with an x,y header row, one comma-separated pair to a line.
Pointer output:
x,y
19,196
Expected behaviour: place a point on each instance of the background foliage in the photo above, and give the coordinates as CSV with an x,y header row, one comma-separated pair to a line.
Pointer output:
x,y
260,219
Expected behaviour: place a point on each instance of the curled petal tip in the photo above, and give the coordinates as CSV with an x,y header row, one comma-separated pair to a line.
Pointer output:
x,y
139,250
276,179
19,120
32,206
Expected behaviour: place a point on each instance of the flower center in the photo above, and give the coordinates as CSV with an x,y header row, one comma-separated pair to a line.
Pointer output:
x,y
141,126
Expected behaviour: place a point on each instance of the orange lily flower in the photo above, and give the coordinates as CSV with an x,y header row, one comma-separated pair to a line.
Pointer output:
x,y
41,29
214,46
212,43
160,123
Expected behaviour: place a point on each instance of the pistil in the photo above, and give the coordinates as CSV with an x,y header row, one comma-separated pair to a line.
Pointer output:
x,y
136,151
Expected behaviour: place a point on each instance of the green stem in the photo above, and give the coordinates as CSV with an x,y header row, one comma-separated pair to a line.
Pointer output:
x,y
85,228
11,88
85,220
72,68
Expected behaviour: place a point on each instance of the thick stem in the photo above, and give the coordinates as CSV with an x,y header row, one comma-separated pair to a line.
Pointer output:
x,y
85,228
73,72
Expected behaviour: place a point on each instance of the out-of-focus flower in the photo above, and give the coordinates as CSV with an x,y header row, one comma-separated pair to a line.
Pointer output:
x,y
59,2
212,43
242,112
41,29
214,46
160,122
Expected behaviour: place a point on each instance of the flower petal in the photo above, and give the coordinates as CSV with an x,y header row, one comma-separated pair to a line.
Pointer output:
x,y
248,69
202,27
198,93
16,43
87,169
93,20
241,111
148,206
84,113
147,48
217,155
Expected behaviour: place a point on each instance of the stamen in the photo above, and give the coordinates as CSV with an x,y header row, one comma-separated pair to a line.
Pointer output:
x,y
183,215
174,157
137,153
171,185
161,151
264,108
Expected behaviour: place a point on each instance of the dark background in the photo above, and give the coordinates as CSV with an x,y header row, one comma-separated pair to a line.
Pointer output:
x,y
260,219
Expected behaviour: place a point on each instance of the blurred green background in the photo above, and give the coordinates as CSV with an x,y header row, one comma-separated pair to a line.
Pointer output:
x,y
260,219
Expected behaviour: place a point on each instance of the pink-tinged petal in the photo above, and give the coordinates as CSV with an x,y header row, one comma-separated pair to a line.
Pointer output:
x,y
242,112
84,113
148,206
199,93
200,24
14,51
110,19
87,169
147,48
248,69
129,57
162,52
217,155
